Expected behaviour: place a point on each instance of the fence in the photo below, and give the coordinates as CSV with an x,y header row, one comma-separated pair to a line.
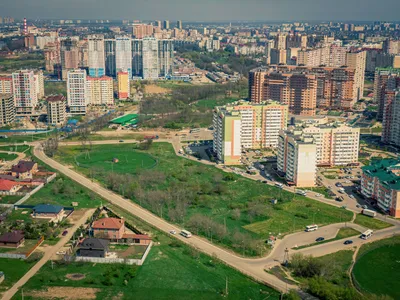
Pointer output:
x,y
40,241
23,256
13,256
127,261
5,193
35,190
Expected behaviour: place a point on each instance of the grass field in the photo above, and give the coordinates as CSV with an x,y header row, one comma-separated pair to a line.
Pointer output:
x,y
344,232
8,157
9,199
377,268
292,213
370,222
211,103
19,148
24,138
55,88
171,271
14,269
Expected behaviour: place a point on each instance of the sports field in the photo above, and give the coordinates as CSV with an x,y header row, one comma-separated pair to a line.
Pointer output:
x,y
115,159
378,271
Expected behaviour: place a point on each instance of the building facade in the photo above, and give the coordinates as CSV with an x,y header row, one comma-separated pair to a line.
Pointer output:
x,y
150,62
100,90
243,125
110,57
69,56
96,55
7,109
123,54
391,118
386,80
77,92
123,85
6,84
25,92
56,110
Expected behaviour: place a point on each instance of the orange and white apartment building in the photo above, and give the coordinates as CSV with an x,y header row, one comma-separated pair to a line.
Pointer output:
x,y
334,144
244,125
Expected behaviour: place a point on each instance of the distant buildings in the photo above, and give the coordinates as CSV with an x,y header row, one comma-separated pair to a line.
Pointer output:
x,y
96,55
150,64
381,181
391,118
56,110
301,149
386,80
123,81
7,109
243,125
69,56
100,90
6,84
28,88
123,54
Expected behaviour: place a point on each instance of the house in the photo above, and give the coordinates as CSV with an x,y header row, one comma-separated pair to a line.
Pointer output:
x,y
48,211
24,169
8,186
92,247
141,239
109,228
12,239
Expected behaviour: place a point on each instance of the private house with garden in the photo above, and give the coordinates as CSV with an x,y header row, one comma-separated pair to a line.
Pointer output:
x,y
93,247
24,169
12,239
109,228
54,213
9,186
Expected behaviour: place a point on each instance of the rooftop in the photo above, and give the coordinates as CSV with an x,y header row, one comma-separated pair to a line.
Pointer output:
x,y
108,223
55,98
12,237
47,209
6,185
383,169
23,166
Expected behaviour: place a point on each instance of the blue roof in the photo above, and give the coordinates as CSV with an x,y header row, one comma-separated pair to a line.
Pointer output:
x,y
47,208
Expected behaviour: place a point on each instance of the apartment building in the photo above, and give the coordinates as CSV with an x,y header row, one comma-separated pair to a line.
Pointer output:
x,y
77,91
244,125
123,92
357,61
150,58
391,118
110,57
96,55
7,109
6,84
100,90
141,31
69,56
296,159
298,91
381,181
56,110
335,145
386,80
123,54
278,56
25,91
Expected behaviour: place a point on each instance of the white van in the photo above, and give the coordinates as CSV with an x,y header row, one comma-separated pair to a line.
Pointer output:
x,y
311,228
186,234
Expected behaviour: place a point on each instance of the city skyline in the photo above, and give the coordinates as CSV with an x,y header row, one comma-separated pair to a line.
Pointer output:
x,y
207,10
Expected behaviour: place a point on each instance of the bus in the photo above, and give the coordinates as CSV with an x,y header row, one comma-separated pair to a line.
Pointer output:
x,y
367,234
186,234
311,228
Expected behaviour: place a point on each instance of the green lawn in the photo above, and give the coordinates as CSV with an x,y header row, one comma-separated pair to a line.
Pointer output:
x,y
171,271
13,269
248,199
55,88
20,214
7,157
211,103
371,223
25,138
9,199
344,232
18,148
377,268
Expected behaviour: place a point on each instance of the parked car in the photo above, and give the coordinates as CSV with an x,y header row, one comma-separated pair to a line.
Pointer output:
x,y
172,232
65,232
61,252
318,195
320,239
351,196
358,205
348,242
121,141
364,206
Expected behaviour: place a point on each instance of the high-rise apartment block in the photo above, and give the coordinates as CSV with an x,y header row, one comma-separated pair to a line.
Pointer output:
x,y
96,55
278,56
123,54
335,145
100,90
56,110
357,61
110,57
166,24
391,118
25,91
386,80
243,125
6,84
381,181
151,68
69,56
298,91
78,95
141,31
179,24
123,92
7,109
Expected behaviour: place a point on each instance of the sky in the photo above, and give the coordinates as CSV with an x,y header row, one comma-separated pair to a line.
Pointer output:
x,y
205,10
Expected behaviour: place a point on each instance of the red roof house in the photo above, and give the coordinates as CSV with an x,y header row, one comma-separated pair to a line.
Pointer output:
x,y
109,228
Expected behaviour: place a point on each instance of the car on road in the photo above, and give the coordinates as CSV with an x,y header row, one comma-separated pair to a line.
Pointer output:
x,y
265,181
364,206
65,232
348,242
338,184
320,239
351,196
172,232
61,252
121,141
358,205
318,195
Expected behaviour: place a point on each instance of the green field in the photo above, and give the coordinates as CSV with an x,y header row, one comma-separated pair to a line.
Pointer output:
x,y
344,232
371,223
9,199
377,268
8,157
25,138
240,205
172,270
211,103
128,161
18,148
55,88
13,269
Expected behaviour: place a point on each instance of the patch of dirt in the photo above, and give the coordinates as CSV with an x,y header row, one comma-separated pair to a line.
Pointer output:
x,y
68,293
155,89
76,276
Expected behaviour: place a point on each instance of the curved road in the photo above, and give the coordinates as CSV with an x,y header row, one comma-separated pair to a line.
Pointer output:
x,y
252,267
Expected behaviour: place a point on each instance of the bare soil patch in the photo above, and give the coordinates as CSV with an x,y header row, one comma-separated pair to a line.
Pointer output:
x,y
155,89
75,276
69,293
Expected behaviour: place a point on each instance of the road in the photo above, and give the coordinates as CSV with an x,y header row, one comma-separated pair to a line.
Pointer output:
x,y
8,164
47,256
252,267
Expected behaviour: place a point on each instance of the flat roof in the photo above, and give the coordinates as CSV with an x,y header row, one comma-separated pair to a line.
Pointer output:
x,y
124,119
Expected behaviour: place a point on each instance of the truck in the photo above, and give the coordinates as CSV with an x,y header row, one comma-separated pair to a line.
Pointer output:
x,y
369,212
151,137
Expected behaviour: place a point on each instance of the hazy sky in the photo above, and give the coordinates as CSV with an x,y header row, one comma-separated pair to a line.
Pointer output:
x,y
204,10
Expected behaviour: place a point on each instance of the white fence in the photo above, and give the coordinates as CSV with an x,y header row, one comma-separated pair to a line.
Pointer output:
x,y
13,256
35,190
127,261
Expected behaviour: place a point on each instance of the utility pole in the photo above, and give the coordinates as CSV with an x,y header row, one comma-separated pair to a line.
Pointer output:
x,y
226,287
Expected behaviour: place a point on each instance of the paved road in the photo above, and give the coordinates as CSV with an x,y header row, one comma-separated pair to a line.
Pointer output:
x,y
47,255
252,267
